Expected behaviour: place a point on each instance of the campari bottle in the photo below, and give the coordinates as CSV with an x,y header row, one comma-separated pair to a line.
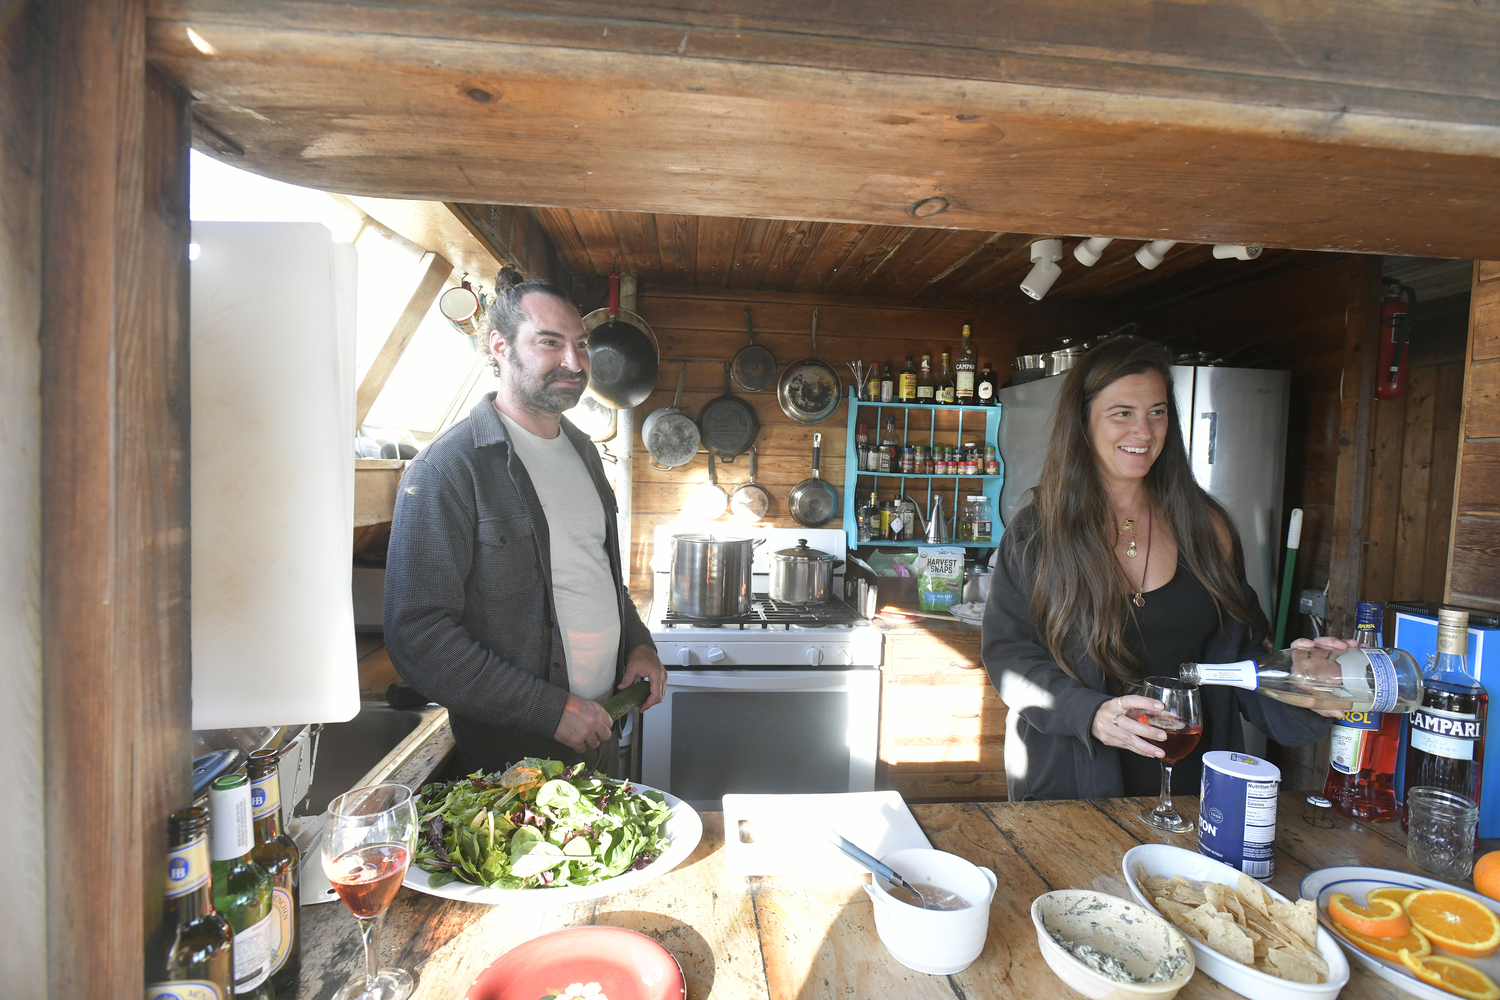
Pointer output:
x,y
1445,734
1362,762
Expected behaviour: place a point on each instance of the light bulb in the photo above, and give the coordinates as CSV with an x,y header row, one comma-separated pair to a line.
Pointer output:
x,y
1046,254
1150,254
1235,251
1089,250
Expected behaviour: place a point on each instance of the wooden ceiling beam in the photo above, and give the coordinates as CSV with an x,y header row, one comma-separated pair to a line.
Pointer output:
x,y
1334,126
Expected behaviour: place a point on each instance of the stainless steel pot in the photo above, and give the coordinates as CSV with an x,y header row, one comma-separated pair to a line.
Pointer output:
x,y
711,575
801,575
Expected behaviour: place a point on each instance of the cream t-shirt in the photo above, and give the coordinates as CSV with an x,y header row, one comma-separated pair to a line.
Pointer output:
x,y
583,586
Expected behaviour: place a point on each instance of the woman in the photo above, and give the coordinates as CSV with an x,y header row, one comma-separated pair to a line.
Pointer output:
x,y
1120,567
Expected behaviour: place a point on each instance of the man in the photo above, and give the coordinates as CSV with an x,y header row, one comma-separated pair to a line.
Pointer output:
x,y
503,596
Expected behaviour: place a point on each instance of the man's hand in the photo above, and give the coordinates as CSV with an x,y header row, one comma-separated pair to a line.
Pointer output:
x,y
585,724
643,662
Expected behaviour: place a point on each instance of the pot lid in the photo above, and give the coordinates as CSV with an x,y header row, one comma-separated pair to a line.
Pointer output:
x,y
801,551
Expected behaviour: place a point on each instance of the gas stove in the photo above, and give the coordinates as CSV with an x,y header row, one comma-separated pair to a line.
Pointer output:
x,y
773,633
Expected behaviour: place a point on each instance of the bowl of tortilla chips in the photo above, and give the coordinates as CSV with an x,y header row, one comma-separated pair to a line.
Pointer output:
x,y
1250,938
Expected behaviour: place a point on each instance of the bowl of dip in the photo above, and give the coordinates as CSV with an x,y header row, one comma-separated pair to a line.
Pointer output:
x,y
1105,946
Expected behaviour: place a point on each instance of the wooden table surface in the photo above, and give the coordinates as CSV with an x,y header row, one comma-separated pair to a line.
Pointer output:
x,y
779,938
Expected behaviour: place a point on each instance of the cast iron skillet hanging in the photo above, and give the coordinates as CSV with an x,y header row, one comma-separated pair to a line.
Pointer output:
x,y
754,366
810,389
814,500
729,424
622,357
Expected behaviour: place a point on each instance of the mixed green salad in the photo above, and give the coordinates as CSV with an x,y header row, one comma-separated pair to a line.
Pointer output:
x,y
539,824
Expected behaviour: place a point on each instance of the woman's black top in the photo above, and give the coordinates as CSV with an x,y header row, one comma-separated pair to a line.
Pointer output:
x,y
1174,627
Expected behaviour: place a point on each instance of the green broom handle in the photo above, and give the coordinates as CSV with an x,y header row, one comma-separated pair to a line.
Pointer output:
x,y
1293,539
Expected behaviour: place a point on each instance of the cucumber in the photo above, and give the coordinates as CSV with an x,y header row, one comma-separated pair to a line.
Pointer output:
x,y
617,705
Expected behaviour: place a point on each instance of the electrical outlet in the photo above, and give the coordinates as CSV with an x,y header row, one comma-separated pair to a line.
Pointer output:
x,y
1313,602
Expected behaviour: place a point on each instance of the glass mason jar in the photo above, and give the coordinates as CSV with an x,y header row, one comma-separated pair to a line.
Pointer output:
x,y
1440,831
976,518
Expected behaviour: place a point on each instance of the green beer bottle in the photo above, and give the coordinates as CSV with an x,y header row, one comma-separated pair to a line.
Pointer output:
x,y
198,963
242,888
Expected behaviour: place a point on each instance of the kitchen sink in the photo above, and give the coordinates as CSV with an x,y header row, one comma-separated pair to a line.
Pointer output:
x,y
348,750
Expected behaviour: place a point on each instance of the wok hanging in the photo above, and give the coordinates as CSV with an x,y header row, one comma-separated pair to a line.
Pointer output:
x,y
669,434
814,500
810,389
623,355
754,365
729,424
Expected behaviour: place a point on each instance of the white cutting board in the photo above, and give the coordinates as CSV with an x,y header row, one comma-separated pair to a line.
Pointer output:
x,y
788,834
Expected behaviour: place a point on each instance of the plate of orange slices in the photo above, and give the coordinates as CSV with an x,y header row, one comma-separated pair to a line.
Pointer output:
x,y
1426,937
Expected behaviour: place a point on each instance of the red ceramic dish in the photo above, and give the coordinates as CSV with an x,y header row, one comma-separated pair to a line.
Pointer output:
x,y
625,965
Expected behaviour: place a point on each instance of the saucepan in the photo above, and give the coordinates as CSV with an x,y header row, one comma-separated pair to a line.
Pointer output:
x,y
802,575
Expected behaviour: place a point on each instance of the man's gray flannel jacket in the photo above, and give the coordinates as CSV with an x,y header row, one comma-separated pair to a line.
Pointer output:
x,y
469,616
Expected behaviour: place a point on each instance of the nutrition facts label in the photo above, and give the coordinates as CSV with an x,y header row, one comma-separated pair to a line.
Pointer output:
x,y
1260,827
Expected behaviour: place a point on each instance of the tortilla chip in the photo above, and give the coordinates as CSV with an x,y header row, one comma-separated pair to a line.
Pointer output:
x,y
1253,893
1296,965
1301,918
1229,939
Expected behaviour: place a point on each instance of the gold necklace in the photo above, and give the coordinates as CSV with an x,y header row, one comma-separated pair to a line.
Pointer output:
x,y
1129,526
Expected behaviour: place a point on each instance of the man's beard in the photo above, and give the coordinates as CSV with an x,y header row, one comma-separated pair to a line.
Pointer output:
x,y
543,393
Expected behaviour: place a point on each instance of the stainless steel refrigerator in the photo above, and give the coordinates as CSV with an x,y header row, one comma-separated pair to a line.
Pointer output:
x,y
1234,426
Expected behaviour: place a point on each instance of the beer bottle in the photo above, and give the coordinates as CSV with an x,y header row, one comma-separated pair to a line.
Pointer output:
x,y
278,855
198,960
242,888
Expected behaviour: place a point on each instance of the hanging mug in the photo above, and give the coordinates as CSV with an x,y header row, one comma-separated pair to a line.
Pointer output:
x,y
460,305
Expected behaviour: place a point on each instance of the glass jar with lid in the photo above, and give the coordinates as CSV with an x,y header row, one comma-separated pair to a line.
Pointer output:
x,y
976,519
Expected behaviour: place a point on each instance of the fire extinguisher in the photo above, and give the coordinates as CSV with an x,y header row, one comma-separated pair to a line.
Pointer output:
x,y
1396,305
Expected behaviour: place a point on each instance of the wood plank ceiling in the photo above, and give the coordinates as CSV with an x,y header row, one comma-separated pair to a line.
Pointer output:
x,y
878,261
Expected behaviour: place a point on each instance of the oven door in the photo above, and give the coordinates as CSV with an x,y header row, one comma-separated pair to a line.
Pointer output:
x,y
765,731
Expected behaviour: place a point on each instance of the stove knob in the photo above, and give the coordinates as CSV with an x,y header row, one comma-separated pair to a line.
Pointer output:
x,y
684,657
845,658
814,656
714,654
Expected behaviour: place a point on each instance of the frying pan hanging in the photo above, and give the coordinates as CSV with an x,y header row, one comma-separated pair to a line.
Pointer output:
x,y
729,424
814,500
669,434
809,389
751,500
754,366
706,501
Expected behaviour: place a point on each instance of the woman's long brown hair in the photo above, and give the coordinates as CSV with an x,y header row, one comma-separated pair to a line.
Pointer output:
x,y
1081,594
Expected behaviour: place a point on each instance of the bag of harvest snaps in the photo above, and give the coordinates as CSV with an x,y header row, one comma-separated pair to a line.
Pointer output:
x,y
940,577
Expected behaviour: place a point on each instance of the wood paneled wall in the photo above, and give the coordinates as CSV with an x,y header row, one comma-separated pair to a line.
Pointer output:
x,y
706,327
1322,321
1414,454
1474,560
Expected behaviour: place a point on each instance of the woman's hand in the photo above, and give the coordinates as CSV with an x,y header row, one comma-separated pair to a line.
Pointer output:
x,y
1114,727
1325,642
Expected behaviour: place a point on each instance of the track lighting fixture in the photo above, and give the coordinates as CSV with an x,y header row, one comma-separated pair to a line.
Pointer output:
x,y
1046,254
1089,250
1150,254
1235,251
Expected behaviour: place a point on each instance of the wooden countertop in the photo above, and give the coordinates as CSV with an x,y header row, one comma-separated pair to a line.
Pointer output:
x,y
781,939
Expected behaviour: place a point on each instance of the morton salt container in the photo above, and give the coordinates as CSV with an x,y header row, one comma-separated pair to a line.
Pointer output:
x,y
1237,811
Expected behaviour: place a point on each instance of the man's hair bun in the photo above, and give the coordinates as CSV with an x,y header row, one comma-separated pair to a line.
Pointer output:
x,y
507,279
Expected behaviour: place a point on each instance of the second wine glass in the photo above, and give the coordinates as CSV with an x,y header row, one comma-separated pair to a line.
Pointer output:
x,y
1181,718
367,846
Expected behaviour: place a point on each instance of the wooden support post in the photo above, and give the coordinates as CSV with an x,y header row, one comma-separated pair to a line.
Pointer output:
x,y
436,273
1474,550
115,533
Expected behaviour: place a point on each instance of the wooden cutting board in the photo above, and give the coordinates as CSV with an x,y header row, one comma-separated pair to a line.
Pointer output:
x,y
788,834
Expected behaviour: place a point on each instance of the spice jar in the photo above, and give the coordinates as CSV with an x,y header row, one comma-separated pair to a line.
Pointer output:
x,y
909,459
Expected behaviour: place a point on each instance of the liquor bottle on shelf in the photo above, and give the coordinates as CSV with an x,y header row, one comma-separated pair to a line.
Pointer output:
x,y
924,381
906,385
872,383
869,519
1349,680
888,383
1445,735
1362,762
943,391
278,855
965,371
986,387
242,888
194,960
890,446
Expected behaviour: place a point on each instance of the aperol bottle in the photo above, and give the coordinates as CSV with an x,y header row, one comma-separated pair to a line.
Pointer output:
x,y
1362,761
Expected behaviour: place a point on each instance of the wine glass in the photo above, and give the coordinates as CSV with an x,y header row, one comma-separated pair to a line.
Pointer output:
x,y
1181,718
368,841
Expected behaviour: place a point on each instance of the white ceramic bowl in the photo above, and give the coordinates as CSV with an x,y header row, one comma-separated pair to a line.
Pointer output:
x,y
1134,935
937,942
1159,859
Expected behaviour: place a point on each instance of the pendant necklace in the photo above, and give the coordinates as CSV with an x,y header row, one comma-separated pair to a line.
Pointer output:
x,y
1139,600
1129,526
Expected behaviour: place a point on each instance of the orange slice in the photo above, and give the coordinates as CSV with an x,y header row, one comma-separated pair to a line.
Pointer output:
x,y
1453,921
1457,977
1382,918
1388,948
1392,892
